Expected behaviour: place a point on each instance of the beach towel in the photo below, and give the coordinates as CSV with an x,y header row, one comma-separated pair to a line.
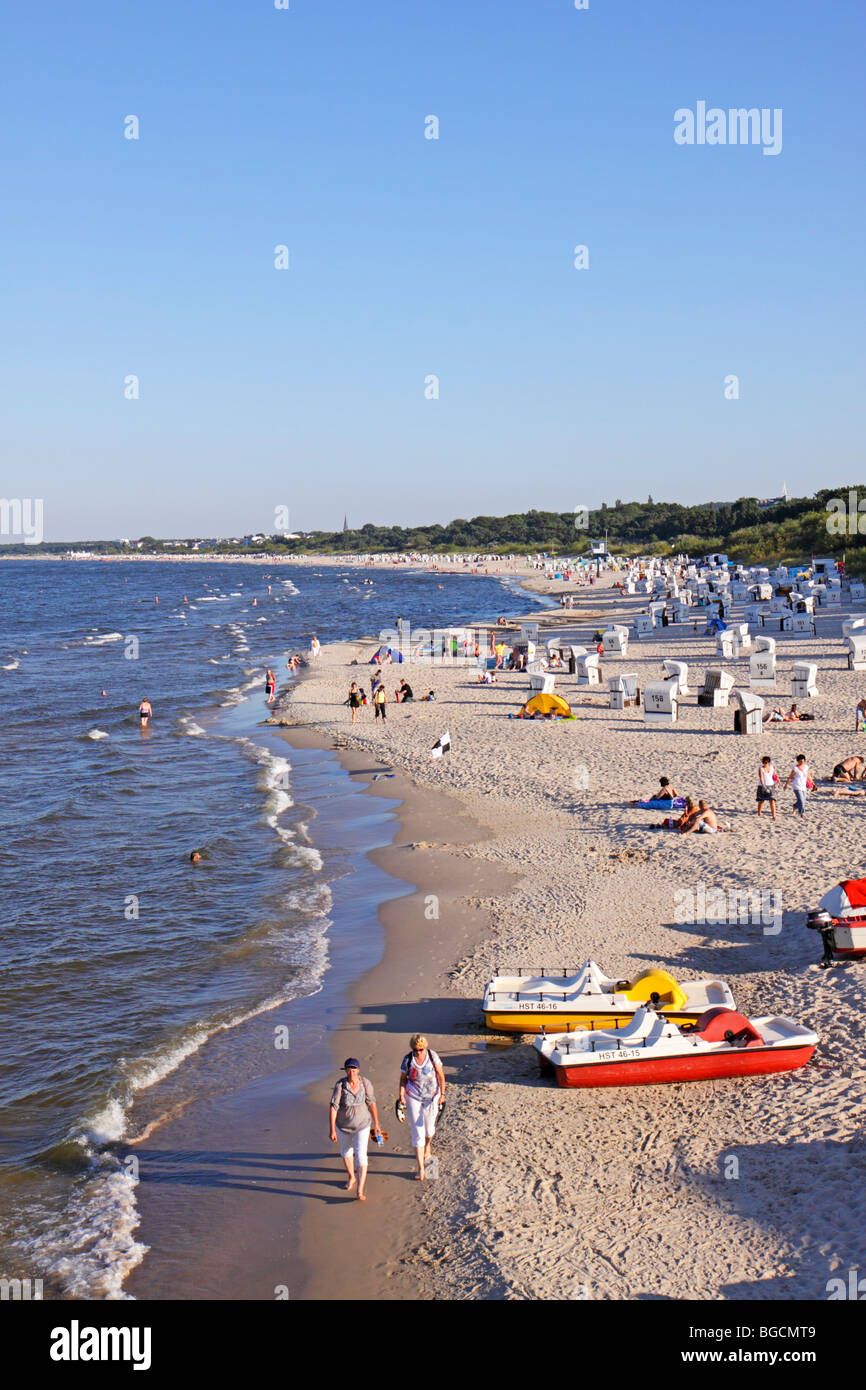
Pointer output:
x,y
678,804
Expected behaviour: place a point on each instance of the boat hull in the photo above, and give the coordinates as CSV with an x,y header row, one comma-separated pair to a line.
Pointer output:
x,y
510,1021
849,940
658,1071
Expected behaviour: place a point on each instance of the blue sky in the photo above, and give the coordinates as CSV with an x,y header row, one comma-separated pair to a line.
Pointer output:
x,y
411,257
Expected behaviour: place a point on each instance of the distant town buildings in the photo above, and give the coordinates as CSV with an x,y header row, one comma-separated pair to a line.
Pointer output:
x,y
766,502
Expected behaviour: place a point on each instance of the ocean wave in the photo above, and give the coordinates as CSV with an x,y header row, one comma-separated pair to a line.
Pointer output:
x,y
307,855
101,641
91,1248
316,901
12,666
236,694
187,725
95,734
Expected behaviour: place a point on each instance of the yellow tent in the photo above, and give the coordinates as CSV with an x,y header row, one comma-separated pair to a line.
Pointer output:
x,y
547,704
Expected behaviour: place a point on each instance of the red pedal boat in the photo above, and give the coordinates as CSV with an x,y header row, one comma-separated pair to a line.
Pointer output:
x,y
652,1050
840,917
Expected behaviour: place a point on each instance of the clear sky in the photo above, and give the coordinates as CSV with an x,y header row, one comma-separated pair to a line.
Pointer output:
x,y
412,257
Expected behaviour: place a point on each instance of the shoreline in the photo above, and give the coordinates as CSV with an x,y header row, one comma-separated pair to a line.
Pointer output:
x,y
256,1246
544,1193
527,1209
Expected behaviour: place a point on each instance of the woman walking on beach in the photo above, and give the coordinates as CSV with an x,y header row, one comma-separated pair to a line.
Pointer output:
x,y
354,700
354,1113
768,785
422,1092
801,782
380,700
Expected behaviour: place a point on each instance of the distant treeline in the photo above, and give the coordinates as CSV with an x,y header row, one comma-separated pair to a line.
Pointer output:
x,y
791,530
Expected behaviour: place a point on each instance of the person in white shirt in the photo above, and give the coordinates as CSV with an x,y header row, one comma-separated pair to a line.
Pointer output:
x,y
799,780
768,782
315,647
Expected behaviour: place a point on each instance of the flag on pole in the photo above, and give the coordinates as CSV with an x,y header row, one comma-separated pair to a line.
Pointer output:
x,y
442,745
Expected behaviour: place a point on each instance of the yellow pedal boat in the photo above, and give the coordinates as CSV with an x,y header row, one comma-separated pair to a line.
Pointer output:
x,y
586,998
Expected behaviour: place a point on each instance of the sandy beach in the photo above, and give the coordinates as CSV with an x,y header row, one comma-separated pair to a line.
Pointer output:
x,y
732,1189
522,847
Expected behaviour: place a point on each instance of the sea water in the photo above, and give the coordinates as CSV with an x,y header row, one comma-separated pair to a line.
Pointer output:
x,y
122,964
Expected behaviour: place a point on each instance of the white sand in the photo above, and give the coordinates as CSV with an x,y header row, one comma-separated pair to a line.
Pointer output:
x,y
738,1188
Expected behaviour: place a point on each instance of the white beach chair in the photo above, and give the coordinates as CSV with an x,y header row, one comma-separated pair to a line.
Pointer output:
x,y
855,646
623,690
660,702
716,689
677,671
587,670
748,712
804,680
615,641
762,664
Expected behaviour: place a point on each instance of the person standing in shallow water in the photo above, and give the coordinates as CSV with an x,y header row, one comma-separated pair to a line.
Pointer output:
x,y
354,1113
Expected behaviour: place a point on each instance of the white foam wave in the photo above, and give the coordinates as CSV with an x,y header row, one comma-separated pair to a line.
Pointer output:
x,y
189,726
307,855
237,693
314,902
96,733
92,1249
101,641
12,666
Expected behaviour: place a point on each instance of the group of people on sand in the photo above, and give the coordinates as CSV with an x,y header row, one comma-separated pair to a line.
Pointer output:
x,y
697,816
378,696
354,1114
799,779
